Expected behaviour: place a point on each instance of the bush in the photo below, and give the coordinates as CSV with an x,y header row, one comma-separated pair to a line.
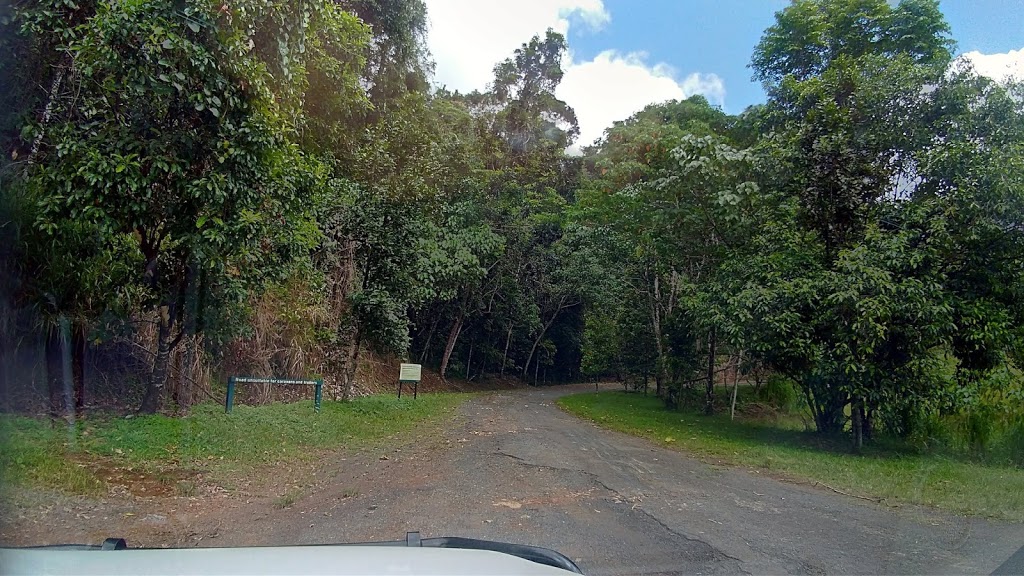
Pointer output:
x,y
1006,446
1014,443
979,429
927,431
780,392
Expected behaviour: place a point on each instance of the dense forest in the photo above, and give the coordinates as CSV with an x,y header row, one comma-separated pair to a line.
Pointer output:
x,y
280,188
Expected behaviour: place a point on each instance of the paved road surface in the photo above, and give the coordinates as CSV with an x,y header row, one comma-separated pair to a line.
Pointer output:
x,y
516,468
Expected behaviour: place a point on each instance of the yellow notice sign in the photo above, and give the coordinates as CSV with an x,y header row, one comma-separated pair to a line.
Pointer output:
x,y
409,373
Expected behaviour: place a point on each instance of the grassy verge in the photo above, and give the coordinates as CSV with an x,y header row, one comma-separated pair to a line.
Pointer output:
x,y
890,471
34,452
41,453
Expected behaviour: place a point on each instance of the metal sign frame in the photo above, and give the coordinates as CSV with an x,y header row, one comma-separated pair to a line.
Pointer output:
x,y
415,383
229,398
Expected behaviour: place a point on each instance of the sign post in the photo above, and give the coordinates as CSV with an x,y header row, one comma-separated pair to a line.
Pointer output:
x,y
409,373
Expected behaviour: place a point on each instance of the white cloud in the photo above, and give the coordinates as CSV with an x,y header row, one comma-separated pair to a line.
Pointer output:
x,y
613,86
1000,67
468,37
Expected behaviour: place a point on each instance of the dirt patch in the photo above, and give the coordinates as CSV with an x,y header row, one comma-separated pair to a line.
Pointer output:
x,y
122,478
184,508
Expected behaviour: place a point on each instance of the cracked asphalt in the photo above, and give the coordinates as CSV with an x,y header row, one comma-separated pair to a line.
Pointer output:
x,y
515,468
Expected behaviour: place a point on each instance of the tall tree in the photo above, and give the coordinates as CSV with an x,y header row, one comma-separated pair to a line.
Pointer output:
x,y
174,141
853,286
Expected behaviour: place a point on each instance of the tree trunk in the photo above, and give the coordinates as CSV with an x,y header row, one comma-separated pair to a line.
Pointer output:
x,y
508,340
54,370
78,363
430,336
55,86
342,288
536,368
709,407
154,399
453,336
189,358
857,423
469,362
735,385
69,385
540,336
659,369
348,376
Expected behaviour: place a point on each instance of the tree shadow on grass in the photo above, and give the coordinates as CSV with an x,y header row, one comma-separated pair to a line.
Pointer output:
x,y
649,410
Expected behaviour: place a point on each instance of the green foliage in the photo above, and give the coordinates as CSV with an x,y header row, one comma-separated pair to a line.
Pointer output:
x,y
524,87
855,282
858,234
780,392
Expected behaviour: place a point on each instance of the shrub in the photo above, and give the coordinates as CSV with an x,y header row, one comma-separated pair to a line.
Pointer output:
x,y
780,392
926,431
979,429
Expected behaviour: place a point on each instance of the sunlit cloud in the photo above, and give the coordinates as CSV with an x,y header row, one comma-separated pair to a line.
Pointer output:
x,y
468,37
1000,66
613,86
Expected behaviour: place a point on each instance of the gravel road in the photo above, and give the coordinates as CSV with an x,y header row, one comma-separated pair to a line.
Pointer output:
x,y
516,468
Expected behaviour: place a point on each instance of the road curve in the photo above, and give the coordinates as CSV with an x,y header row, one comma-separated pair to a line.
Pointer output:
x,y
514,467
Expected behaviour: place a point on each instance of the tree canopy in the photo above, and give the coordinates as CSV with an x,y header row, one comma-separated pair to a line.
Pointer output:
x,y
284,177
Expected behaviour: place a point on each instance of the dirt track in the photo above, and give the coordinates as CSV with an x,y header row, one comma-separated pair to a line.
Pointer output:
x,y
514,467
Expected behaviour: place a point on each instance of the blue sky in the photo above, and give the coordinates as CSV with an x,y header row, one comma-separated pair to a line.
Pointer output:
x,y
624,54
718,36
708,36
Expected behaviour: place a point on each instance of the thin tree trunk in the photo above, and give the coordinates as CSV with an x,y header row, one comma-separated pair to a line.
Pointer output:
x,y
58,79
78,363
536,368
857,422
349,372
69,385
469,362
347,331
709,407
54,369
453,336
430,336
540,336
190,357
154,399
659,374
735,385
813,405
508,340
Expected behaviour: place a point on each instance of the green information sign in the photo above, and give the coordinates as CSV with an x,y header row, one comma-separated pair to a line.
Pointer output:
x,y
229,399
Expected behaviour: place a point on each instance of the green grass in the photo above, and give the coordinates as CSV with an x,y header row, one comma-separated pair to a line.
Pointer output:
x,y
36,452
223,445
888,471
